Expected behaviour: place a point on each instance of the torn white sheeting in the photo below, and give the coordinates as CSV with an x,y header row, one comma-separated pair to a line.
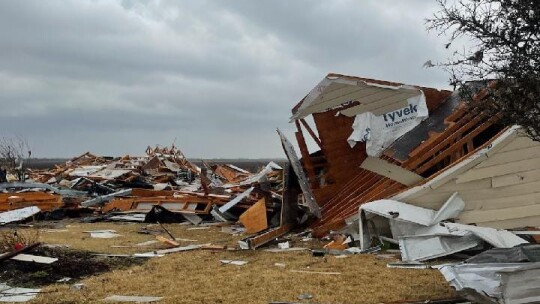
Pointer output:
x,y
105,198
380,131
497,238
86,170
14,294
407,219
34,258
284,245
284,250
448,238
236,200
174,167
404,212
185,240
272,165
221,212
237,168
422,248
422,235
192,218
232,262
136,217
109,174
161,186
135,299
408,265
103,234
148,255
176,249
315,272
259,177
18,215
509,283
147,243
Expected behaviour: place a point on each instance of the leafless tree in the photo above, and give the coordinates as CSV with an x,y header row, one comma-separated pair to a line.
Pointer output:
x,y
504,48
13,149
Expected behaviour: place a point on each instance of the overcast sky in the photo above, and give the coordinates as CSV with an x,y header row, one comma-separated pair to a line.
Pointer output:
x,y
217,77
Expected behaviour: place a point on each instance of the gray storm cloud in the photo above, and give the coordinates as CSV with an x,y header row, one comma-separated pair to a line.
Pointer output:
x,y
216,76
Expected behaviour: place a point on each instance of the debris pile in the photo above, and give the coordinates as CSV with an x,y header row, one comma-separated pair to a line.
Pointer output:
x,y
419,169
400,171
162,186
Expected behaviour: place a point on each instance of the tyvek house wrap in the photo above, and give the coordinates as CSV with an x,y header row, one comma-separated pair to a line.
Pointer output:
x,y
380,131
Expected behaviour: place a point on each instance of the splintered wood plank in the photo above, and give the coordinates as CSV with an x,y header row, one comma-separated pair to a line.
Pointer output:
x,y
265,237
426,149
254,219
391,171
456,145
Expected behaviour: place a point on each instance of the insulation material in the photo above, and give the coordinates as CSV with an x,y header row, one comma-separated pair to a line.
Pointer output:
x,y
379,132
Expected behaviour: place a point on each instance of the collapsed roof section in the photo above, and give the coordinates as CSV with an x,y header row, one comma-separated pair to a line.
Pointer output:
x,y
361,95
342,178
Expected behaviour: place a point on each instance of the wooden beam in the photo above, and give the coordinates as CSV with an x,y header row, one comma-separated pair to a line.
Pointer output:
x,y
456,145
310,131
391,171
306,159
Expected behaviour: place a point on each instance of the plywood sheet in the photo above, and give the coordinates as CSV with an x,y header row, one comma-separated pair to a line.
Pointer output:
x,y
254,219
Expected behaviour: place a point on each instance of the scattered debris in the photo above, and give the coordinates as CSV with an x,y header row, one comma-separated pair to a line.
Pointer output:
x,y
408,265
78,286
34,259
315,272
305,296
15,294
232,262
18,215
136,299
284,245
103,234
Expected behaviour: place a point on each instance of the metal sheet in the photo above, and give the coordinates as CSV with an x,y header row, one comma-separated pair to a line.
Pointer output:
x,y
18,215
302,178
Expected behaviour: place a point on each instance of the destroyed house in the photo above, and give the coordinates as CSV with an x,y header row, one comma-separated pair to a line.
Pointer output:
x,y
377,139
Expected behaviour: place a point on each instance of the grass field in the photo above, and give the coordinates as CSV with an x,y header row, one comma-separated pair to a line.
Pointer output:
x,y
199,277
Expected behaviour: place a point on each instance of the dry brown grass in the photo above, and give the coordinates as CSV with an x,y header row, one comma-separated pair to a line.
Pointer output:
x,y
198,277
11,238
